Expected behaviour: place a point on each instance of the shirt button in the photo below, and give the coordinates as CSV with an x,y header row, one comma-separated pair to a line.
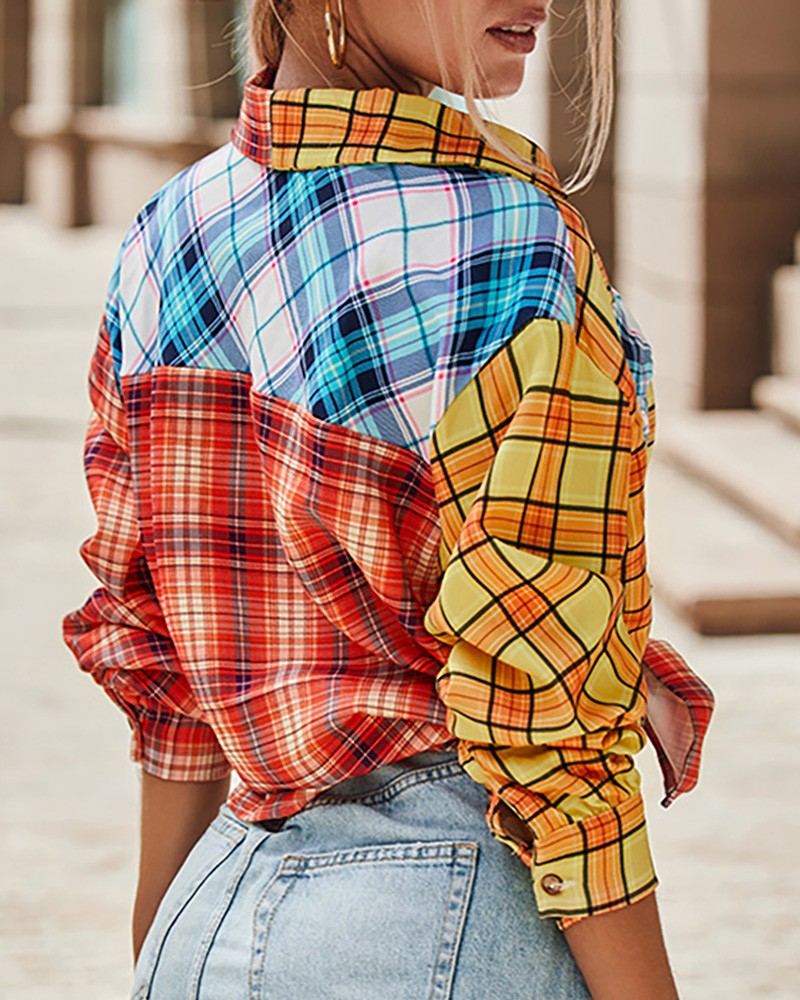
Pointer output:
x,y
552,884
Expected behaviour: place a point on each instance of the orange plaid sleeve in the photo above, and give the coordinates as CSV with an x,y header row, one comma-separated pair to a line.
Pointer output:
x,y
543,685
119,637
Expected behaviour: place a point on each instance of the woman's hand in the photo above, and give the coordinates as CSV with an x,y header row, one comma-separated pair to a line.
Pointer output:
x,y
175,814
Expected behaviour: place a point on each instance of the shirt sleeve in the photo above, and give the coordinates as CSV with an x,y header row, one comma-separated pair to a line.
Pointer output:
x,y
119,636
543,684
639,358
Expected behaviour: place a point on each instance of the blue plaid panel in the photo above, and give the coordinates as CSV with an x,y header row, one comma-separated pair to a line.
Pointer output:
x,y
402,284
179,275
638,353
368,294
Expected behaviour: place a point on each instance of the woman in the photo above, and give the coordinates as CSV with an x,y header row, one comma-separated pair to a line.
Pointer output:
x,y
368,456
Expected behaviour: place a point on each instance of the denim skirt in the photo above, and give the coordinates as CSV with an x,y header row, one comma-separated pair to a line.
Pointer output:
x,y
386,887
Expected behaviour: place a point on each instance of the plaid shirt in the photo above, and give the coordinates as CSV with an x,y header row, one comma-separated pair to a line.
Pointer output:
x,y
368,455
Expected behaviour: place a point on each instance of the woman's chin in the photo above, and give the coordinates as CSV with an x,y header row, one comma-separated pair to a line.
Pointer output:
x,y
505,86
503,79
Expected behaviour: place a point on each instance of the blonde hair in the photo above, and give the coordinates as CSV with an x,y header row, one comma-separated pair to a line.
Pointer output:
x,y
268,35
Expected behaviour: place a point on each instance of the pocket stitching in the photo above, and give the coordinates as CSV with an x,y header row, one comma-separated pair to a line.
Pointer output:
x,y
421,853
258,955
460,856
445,967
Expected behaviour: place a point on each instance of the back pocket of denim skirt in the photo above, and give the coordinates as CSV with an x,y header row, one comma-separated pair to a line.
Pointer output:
x,y
382,921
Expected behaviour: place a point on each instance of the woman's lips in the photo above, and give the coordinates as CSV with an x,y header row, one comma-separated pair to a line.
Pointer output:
x,y
523,43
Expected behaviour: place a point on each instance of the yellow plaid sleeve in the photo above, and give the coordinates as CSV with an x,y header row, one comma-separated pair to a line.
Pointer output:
x,y
543,684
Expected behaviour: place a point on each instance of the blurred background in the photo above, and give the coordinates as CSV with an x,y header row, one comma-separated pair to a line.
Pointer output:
x,y
696,211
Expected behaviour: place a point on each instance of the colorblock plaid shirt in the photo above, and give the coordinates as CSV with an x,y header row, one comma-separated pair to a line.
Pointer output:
x,y
368,456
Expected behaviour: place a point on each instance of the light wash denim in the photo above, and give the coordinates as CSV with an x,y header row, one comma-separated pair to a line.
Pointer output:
x,y
387,887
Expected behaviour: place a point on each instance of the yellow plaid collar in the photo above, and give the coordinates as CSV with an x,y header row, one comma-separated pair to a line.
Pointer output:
x,y
317,127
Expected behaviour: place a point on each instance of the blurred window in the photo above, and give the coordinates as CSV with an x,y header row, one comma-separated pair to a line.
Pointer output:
x,y
121,40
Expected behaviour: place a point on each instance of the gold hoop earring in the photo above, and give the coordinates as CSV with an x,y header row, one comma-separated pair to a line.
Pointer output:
x,y
336,46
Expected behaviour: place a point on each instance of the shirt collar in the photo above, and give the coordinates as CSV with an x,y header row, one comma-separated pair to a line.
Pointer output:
x,y
300,129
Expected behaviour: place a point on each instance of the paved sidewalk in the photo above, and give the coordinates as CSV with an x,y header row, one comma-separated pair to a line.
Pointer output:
x,y
730,881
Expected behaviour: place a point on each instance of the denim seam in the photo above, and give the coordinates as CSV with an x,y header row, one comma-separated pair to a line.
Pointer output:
x,y
215,920
258,958
462,879
234,836
424,853
392,788
227,818
170,920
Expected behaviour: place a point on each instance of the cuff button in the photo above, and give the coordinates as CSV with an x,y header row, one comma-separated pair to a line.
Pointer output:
x,y
552,884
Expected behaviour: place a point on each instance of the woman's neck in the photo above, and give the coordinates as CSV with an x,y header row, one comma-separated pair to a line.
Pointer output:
x,y
311,66
297,71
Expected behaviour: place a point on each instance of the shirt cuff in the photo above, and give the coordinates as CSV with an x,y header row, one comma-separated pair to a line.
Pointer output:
x,y
594,866
176,747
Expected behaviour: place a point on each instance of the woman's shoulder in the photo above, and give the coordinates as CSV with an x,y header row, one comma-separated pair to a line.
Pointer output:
x,y
227,190
194,197
166,274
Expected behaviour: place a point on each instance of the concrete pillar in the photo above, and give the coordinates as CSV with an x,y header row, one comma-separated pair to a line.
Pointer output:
x,y
14,33
87,46
660,184
752,197
55,165
52,79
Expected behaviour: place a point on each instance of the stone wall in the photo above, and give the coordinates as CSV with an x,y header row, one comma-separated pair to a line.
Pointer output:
x,y
707,184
